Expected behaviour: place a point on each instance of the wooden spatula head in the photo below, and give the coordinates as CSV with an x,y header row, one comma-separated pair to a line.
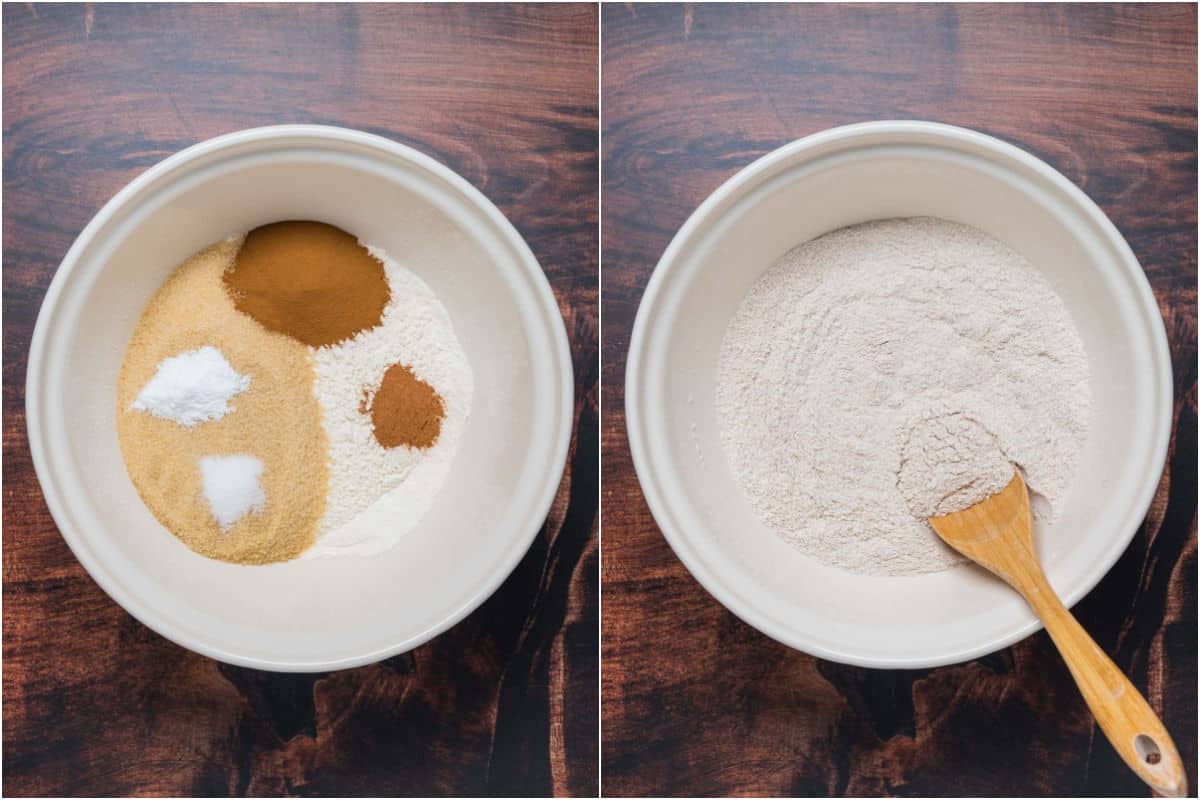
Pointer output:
x,y
990,531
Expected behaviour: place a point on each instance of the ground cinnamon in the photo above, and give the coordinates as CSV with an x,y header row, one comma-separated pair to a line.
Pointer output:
x,y
308,280
405,410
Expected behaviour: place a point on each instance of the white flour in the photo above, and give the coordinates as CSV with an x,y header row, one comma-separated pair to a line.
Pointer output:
x,y
378,494
897,334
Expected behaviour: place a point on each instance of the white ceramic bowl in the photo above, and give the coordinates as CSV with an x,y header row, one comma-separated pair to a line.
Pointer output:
x,y
841,177
318,614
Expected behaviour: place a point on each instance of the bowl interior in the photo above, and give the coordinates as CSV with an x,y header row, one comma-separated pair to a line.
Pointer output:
x,y
317,613
880,621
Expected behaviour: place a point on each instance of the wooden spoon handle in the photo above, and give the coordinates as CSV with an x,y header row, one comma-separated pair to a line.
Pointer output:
x,y
1126,718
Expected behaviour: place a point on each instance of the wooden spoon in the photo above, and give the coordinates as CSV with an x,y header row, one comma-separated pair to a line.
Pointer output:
x,y
997,533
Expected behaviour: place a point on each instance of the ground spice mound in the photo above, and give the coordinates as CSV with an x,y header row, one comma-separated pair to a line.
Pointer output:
x,y
405,410
276,419
311,281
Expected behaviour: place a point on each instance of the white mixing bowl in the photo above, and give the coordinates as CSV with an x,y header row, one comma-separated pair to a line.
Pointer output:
x,y
842,177
318,614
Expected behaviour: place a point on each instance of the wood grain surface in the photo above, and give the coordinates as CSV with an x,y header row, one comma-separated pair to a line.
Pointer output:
x,y
506,702
694,701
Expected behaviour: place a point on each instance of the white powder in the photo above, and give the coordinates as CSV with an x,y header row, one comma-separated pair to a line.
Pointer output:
x,y
378,494
949,461
891,335
232,487
192,387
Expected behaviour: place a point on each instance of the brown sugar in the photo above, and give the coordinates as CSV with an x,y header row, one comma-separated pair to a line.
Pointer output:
x,y
277,420
308,280
405,410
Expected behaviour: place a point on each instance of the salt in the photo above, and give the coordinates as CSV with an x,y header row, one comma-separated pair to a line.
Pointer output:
x,y
232,487
192,387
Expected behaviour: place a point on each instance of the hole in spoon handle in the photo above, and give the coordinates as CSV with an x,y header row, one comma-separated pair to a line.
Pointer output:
x,y
1147,749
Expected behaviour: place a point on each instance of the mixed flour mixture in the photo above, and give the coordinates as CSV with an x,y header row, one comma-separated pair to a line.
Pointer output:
x,y
890,371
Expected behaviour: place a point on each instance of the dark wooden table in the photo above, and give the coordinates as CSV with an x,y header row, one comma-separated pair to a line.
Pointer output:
x,y
504,703
698,703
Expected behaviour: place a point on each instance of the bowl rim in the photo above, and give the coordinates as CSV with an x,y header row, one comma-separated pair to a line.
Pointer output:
x,y
544,306
892,132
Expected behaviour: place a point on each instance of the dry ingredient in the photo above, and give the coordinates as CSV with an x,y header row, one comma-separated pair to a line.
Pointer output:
x,y
276,420
354,392
192,387
949,461
854,360
232,487
378,493
308,280
405,410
